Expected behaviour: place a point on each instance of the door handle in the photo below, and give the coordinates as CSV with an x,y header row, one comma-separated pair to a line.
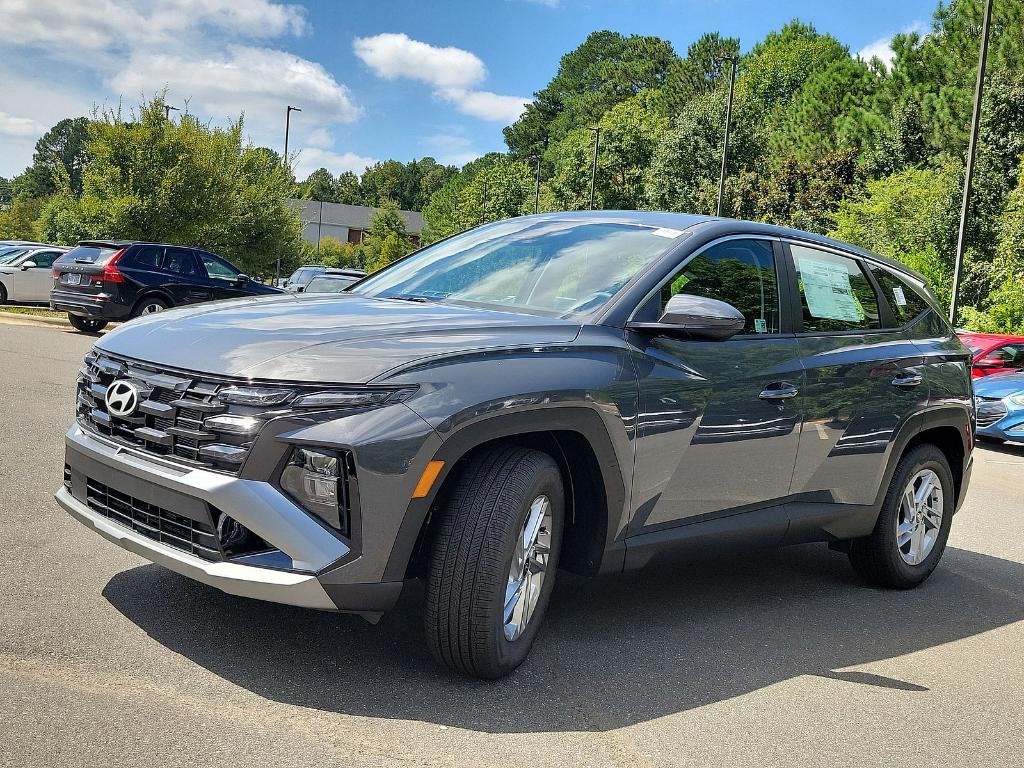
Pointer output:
x,y
907,380
780,391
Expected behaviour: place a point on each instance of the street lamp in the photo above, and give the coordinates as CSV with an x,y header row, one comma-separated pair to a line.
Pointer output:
x,y
167,111
593,169
725,144
287,127
961,241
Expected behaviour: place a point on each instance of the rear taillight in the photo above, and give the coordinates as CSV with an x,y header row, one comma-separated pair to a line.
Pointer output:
x,y
111,274
56,273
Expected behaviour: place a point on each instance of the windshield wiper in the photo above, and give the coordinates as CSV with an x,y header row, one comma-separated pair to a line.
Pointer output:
x,y
417,299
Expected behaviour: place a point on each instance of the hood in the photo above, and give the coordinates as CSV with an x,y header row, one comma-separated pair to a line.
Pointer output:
x,y
337,338
999,384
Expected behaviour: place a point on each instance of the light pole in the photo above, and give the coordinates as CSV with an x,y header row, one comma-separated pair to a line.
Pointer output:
x,y
167,111
287,127
536,188
961,241
593,169
725,143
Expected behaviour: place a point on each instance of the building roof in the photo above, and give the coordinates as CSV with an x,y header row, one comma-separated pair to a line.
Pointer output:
x,y
351,216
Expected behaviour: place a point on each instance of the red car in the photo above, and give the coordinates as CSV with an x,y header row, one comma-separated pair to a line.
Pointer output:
x,y
994,352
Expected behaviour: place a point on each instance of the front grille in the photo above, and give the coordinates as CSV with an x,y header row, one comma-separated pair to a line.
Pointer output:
x,y
170,419
153,522
989,410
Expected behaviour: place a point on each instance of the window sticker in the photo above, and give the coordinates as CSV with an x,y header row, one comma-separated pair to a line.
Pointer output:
x,y
901,298
828,291
760,325
667,232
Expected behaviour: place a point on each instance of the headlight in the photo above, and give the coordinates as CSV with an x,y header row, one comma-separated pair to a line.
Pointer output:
x,y
344,398
254,395
314,479
1017,399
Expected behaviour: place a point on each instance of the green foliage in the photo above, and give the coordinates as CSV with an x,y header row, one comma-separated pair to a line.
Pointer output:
x,y
5,192
334,253
386,238
19,221
184,182
410,184
492,187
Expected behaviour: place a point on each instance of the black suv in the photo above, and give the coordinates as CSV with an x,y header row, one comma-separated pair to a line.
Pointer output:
x,y
573,390
103,280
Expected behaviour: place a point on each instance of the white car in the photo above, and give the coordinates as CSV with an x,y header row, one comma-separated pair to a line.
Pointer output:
x,y
26,272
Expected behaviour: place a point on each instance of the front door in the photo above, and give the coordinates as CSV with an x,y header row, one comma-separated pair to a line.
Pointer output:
x,y
35,283
719,421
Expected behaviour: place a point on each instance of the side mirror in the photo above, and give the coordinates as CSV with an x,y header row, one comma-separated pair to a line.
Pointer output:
x,y
241,278
697,317
27,265
990,362
300,289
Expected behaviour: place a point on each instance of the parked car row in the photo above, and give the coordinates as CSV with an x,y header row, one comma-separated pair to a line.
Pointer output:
x,y
25,270
307,279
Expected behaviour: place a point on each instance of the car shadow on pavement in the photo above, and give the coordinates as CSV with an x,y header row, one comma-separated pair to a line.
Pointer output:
x,y
615,650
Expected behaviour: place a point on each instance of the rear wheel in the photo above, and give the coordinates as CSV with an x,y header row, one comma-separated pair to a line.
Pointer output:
x,y
493,561
149,305
913,525
87,324
3,294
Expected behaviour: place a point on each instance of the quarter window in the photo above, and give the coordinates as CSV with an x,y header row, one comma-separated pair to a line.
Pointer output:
x,y
835,293
906,302
738,272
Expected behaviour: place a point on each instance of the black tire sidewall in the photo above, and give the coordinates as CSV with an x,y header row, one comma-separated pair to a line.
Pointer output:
x,y
147,301
510,653
85,324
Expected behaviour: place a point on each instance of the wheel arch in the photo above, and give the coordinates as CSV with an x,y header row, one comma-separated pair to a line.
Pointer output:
x,y
576,438
151,293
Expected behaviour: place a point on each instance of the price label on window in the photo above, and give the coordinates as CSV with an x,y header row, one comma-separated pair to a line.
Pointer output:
x,y
828,291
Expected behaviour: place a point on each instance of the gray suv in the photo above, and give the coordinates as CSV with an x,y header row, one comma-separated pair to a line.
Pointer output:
x,y
572,390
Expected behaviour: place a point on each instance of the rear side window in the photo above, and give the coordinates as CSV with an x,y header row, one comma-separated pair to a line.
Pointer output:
x,y
88,254
835,293
738,272
906,302
179,261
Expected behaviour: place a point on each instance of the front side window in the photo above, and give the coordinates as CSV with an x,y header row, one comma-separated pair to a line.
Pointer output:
x,y
738,272
217,269
1010,355
834,292
549,267
44,259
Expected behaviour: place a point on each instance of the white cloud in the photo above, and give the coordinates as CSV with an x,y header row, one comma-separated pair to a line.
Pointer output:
x,y
392,55
882,47
311,158
486,105
258,81
19,127
320,137
451,71
449,149
97,25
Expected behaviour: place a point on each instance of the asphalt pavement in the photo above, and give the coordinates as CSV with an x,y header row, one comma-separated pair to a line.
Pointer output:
x,y
779,658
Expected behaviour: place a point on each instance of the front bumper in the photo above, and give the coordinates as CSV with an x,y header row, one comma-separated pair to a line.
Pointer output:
x,y
193,493
1009,427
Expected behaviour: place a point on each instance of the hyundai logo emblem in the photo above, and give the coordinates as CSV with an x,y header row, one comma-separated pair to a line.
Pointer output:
x,y
122,398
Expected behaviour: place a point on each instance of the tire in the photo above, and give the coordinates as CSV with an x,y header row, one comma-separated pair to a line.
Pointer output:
x,y
878,558
3,294
149,305
86,324
471,557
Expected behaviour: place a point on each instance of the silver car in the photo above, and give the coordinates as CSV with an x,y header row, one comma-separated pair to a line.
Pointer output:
x,y
26,272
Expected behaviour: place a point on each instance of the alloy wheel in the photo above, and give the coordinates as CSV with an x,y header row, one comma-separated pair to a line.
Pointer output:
x,y
920,517
529,565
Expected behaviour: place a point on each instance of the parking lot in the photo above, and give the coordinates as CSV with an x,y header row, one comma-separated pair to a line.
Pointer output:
x,y
770,658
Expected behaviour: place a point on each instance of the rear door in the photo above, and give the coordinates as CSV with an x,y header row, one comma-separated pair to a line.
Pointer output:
x,y
864,376
183,276
719,421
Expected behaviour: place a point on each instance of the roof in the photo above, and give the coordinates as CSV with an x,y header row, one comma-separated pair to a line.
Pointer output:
x,y
351,216
993,337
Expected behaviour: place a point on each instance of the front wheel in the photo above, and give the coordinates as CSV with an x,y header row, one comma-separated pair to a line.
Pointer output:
x,y
86,324
913,525
493,561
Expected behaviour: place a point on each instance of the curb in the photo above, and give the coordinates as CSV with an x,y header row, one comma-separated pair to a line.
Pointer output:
x,y
17,317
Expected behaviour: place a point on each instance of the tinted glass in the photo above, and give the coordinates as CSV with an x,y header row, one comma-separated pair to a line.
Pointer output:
x,y
906,302
179,261
88,254
8,255
1011,355
216,268
44,258
548,267
738,272
147,257
834,292
329,284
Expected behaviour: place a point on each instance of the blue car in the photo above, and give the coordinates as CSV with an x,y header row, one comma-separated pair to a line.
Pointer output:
x,y
1000,404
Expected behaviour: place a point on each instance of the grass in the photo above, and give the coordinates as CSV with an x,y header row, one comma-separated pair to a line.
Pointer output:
x,y
34,311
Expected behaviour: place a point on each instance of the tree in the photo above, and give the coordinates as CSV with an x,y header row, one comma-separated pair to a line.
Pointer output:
x,y
60,157
19,220
452,208
605,70
386,238
334,253
183,182
701,71
5,192
319,185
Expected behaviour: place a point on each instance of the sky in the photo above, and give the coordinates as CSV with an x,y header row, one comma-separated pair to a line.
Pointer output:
x,y
375,79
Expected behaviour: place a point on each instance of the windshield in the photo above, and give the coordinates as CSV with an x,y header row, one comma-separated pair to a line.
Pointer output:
x,y
547,267
8,255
